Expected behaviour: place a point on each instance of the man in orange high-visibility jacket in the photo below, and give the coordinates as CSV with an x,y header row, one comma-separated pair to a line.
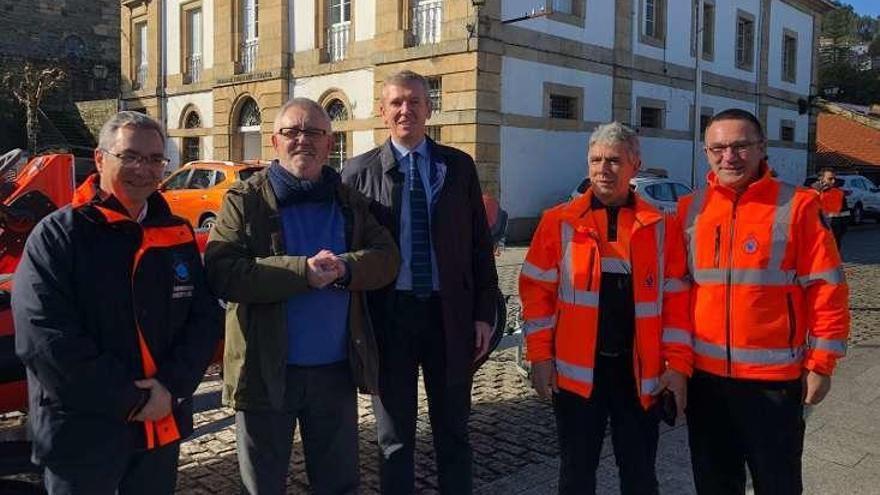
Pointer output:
x,y
833,203
607,326
770,314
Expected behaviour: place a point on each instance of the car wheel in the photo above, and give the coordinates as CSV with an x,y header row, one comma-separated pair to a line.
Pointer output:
x,y
858,214
208,222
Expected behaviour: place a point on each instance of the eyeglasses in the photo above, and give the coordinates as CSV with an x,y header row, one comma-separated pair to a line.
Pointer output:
x,y
294,132
132,161
739,149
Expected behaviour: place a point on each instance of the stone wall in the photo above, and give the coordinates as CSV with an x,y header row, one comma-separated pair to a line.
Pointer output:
x,y
82,34
95,113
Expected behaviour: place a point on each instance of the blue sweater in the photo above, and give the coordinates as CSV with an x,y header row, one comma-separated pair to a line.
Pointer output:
x,y
317,321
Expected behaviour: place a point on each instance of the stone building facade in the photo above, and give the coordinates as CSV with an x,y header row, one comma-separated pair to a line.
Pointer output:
x,y
520,93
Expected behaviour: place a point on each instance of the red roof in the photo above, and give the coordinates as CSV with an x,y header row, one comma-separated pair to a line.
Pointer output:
x,y
843,142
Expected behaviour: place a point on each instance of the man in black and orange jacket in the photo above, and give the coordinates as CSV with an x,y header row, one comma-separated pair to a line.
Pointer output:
x,y
114,324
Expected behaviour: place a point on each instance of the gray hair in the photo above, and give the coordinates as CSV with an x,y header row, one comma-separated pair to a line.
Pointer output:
x,y
127,118
616,133
406,77
302,103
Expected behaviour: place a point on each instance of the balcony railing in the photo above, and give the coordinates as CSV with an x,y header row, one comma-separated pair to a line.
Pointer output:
x,y
194,68
249,55
140,77
426,21
337,41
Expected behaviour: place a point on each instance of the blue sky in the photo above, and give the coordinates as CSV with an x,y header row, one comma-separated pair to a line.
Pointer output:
x,y
865,7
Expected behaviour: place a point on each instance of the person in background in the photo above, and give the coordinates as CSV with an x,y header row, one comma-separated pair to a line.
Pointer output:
x,y
833,202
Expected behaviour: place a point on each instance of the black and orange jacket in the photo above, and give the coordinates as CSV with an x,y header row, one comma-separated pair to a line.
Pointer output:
x,y
92,283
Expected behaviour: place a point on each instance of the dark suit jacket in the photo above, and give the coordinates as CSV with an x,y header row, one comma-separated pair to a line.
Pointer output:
x,y
460,236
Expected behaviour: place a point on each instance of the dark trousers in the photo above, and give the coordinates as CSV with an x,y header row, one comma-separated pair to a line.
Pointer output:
x,y
581,423
324,401
733,423
415,337
147,472
839,226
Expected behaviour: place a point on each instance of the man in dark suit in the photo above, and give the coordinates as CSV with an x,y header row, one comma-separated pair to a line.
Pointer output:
x,y
440,311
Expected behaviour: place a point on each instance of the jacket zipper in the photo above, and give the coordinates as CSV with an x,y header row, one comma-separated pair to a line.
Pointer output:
x,y
792,322
590,269
728,286
717,245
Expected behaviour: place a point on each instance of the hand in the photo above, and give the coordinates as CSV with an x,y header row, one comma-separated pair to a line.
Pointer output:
x,y
817,387
544,379
159,404
676,382
483,333
322,269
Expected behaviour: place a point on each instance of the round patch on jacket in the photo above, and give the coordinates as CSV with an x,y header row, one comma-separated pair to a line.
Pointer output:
x,y
750,245
649,280
181,271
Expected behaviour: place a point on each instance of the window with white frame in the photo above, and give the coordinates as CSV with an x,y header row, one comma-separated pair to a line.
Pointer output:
x,y
338,30
789,56
745,40
427,18
653,15
193,26
141,59
250,35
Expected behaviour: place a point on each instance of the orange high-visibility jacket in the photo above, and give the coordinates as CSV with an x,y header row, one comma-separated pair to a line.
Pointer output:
x,y
769,294
832,201
559,288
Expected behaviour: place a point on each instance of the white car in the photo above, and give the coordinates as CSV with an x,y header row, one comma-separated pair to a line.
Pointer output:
x,y
661,192
862,197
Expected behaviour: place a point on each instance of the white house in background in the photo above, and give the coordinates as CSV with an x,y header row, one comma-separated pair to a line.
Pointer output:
x,y
519,92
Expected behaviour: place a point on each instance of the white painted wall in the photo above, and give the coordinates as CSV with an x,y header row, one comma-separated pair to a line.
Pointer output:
x,y
204,103
678,103
724,63
790,164
539,168
357,86
674,156
775,116
364,19
783,16
598,21
304,25
522,88
361,142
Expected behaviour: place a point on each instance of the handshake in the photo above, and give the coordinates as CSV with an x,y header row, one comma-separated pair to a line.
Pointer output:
x,y
324,269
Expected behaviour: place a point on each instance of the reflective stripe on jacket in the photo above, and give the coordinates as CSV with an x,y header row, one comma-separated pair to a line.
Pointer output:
x,y
769,294
559,286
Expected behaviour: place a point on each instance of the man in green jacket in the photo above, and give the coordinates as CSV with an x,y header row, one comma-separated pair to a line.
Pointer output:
x,y
292,252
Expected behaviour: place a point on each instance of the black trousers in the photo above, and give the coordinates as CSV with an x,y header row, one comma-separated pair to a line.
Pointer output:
x,y
581,423
324,402
733,423
415,337
143,472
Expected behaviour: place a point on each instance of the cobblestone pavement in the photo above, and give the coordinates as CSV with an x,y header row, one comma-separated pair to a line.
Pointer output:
x,y
513,432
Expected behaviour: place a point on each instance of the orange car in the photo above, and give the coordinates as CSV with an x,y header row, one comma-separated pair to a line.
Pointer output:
x,y
195,191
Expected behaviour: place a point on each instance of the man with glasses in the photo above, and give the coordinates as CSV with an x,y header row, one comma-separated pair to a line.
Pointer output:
x,y
292,252
114,323
770,314
438,313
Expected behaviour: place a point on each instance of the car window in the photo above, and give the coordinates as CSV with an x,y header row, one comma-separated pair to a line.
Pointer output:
x,y
201,179
178,180
219,177
246,173
660,192
680,189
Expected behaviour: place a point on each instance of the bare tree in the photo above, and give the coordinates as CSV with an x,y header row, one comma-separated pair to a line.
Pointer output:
x,y
29,85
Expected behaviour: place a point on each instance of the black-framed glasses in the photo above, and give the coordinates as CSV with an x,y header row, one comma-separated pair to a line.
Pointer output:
x,y
295,132
130,160
739,148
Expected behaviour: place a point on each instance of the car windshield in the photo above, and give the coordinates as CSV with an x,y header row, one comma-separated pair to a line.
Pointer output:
x,y
246,173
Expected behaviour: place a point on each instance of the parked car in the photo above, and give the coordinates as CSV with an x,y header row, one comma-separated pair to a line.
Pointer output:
x,y
862,196
195,191
654,186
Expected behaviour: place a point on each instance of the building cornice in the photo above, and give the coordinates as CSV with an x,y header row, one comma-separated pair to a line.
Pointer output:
x,y
820,7
132,4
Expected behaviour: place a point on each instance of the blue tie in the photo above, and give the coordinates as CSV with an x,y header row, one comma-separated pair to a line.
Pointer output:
x,y
420,231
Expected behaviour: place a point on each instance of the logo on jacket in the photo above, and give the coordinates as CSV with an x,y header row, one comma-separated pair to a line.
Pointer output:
x,y
750,245
649,280
181,271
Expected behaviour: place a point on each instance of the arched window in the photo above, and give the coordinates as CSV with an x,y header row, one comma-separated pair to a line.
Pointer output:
x,y
191,147
249,115
249,121
336,110
192,120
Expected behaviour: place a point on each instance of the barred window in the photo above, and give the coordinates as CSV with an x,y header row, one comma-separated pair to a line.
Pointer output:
x,y
563,107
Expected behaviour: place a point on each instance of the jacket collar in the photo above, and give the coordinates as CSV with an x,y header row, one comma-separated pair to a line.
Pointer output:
x,y
389,163
763,183
110,208
576,210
